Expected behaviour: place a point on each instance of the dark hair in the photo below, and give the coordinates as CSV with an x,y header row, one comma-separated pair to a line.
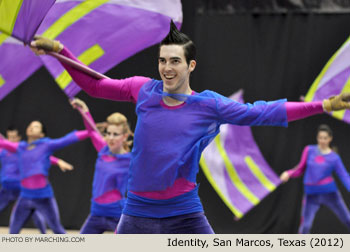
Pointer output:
x,y
326,128
12,128
175,37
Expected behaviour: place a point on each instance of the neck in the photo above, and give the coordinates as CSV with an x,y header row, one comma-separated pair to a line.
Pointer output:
x,y
325,149
119,151
32,139
173,102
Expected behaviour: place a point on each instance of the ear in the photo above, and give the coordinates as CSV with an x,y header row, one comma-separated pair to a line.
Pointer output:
x,y
192,65
125,137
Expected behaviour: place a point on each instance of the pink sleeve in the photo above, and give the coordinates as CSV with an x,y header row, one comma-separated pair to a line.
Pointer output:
x,y
7,145
299,110
300,168
112,89
54,160
86,123
82,134
97,139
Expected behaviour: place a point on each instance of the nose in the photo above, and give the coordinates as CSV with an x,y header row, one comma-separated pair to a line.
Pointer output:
x,y
109,137
167,67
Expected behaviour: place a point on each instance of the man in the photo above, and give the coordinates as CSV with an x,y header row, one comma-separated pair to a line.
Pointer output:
x,y
174,125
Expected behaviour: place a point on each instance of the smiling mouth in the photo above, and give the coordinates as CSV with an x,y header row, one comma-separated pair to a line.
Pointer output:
x,y
169,77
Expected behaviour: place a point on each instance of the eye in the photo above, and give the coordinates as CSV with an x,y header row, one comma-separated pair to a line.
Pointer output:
x,y
176,61
161,60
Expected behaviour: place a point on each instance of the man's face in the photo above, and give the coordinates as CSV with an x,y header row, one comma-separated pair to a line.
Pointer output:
x,y
173,68
13,136
34,130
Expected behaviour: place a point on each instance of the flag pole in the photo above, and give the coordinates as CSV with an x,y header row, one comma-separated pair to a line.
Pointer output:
x,y
78,66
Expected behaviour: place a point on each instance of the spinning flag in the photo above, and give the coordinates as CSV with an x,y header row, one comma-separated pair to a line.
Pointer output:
x,y
236,169
19,19
333,79
100,33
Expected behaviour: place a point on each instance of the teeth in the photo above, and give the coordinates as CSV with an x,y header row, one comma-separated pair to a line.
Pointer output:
x,y
169,76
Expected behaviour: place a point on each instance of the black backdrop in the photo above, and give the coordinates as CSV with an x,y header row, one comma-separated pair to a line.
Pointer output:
x,y
270,56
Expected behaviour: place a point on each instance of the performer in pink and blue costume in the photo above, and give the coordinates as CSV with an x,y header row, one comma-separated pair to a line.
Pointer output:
x,y
36,192
317,163
174,125
10,177
111,171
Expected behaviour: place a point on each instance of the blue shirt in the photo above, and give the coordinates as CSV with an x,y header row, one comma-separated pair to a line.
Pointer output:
x,y
111,173
10,176
35,159
320,166
168,142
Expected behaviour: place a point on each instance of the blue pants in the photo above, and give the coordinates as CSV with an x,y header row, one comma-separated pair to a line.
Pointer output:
x,y
194,223
25,207
312,203
8,196
99,224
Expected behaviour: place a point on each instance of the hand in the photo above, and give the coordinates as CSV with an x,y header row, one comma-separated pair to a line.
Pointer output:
x,y
41,45
337,102
64,166
77,103
102,126
284,177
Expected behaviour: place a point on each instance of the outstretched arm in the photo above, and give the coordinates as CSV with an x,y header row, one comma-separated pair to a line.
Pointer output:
x,y
298,170
112,89
73,137
299,110
276,113
7,145
63,165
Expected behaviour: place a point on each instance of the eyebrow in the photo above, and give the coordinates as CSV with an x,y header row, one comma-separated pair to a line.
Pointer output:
x,y
172,58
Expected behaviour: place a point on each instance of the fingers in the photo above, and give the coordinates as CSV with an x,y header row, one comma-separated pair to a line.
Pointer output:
x,y
37,51
75,103
67,167
36,37
345,96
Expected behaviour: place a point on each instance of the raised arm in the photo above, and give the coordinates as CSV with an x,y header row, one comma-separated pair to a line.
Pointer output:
x,y
96,138
298,170
112,89
342,174
7,145
70,138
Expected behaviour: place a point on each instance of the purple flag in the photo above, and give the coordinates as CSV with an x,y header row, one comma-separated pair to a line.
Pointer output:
x,y
236,169
100,33
20,19
105,33
333,79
